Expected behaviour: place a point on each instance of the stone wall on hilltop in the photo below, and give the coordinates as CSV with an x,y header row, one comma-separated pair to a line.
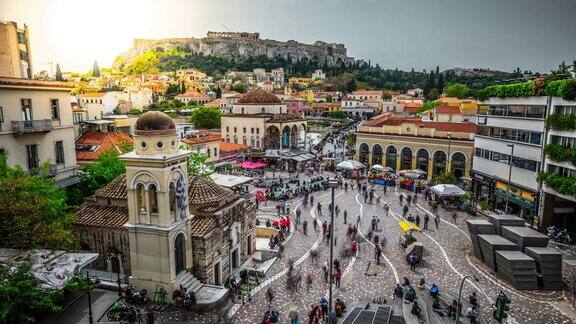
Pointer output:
x,y
229,47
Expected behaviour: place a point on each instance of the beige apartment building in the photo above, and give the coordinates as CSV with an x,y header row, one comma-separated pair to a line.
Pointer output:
x,y
15,52
36,127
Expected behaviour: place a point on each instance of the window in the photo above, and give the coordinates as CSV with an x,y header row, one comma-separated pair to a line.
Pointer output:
x,y
215,152
517,111
153,198
234,129
24,56
244,129
569,142
561,171
59,152
252,130
227,129
26,105
566,110
263,110
32,154
21,38
235,139
1,118
257,130
510,134
55,108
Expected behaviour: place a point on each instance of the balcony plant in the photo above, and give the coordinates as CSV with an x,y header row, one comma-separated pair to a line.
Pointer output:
x,y
522,89
560,153
561,122
564,185
562,88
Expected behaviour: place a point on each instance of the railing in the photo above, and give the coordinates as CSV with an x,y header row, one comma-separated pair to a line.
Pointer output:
x,y
30,126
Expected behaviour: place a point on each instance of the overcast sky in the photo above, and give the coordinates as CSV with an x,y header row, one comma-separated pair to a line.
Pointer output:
x,y
501,34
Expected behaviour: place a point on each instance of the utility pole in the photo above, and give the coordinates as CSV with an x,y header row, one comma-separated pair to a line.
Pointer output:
x,y
509,177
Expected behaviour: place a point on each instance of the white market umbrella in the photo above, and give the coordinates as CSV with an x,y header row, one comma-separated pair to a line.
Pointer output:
x,y
377,167
448,190
418,171
350,165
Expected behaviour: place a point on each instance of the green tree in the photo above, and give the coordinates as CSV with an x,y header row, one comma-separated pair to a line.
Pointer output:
x,y
96,175
206,118
34,213
457,90
58,75
95,69
240,87
338,114
172,90
445,178
196,163
434,94
440,83
21,298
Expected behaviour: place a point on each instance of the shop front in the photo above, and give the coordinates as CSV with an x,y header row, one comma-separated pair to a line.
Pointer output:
x,y
521,202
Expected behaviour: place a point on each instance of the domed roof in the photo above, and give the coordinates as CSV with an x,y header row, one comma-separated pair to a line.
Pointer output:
x,y
259,96
154,122
202,192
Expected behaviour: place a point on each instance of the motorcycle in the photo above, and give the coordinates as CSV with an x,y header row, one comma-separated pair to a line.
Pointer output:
x,y
138,298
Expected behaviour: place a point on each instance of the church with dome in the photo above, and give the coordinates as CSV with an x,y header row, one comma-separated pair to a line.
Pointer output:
x,y
261,120
163,227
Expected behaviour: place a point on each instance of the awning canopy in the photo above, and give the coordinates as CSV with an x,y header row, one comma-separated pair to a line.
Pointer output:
x,y
292,154
229,181
350,165
52,268
251,165
448,190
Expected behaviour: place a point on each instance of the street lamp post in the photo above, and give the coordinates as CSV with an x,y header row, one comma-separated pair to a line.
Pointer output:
x,y
458,310
90,280
333,184
509,176
448,157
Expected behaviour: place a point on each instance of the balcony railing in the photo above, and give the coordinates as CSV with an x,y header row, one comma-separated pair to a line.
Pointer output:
x,y
31,126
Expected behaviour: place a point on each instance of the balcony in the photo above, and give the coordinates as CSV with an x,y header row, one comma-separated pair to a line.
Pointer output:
x,y
31,126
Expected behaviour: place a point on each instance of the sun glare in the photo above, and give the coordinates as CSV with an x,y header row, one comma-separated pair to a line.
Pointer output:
x,y
96,30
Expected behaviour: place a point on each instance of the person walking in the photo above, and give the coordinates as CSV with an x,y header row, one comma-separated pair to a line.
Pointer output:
x,y
409,199
418,220
326,273
426,220
374,223
386,209
319,209
345,216
383,240
324,228
354,248
437,221
298,213
377,253
315,223
412,259
338,277
357,220
454,217
305,227
404,211
311,200
401,198
385,188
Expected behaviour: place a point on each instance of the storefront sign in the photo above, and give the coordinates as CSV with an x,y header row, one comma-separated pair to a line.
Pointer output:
x,y
516,195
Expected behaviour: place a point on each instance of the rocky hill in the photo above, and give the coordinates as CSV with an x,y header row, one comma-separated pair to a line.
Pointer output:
x,y
232,45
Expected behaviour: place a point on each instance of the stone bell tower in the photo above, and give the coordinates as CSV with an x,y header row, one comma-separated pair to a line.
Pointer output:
x,y
158,222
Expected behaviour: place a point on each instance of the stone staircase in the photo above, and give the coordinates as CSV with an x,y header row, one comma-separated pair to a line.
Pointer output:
x,y
187,280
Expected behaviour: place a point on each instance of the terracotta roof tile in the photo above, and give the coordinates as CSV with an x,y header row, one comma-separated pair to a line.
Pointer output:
x,y
202,191
448,110
4,81
92,95
232,147
387,120
194,95
92,144
200,226
210,137
259,96
101,216
116,189
367,92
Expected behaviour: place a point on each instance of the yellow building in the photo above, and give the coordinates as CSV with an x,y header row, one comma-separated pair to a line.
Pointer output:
x,y
304,82
15,53
408,144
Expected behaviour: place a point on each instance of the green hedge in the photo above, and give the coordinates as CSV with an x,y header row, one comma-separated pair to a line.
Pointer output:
x,y
562,88
429,105
564,185
560,153
523,89
561,122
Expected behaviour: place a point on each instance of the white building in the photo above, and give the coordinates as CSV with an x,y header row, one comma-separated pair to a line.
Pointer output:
x,y
559,209
318,75
36,127
511,127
